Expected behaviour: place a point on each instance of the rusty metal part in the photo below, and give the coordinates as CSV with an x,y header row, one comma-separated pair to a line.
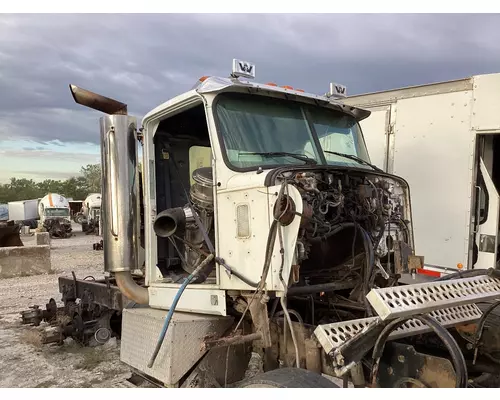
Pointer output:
x,y
258,311
286,347
403,364
295,273
220,367
307,213
34,316
231,340
313,355
307,181
51,335
91,313
97,101
358,375
285,210
402,253
100,292
130,289
9,234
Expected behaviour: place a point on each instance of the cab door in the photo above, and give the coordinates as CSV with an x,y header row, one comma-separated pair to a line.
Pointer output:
x,y
485,225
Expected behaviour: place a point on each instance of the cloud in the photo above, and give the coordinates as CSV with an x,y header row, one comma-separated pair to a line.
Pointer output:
x,y
146,59
40,176
40,154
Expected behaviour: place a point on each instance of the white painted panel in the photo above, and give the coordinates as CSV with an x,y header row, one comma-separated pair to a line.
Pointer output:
x,y
246,255
433,148
194,299
486,110
375,132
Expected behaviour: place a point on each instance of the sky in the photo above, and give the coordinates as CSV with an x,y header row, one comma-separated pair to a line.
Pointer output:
x,y
145,59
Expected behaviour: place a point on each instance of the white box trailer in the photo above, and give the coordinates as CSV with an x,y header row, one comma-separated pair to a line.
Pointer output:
x,y
23,210
444,139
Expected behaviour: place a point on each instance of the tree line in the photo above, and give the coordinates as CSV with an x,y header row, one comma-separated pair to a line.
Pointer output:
x,y
77,187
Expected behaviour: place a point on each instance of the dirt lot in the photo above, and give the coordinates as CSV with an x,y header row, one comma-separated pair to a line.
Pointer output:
x,y
26,363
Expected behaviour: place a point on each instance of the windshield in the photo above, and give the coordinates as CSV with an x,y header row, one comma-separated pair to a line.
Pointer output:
x,y
57,212
251,124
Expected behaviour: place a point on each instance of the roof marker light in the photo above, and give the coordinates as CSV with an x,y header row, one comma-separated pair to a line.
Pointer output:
x,y
287,87
299,90
203,78
271,84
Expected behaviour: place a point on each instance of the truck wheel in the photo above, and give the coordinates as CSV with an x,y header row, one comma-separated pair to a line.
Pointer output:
x,y
288,378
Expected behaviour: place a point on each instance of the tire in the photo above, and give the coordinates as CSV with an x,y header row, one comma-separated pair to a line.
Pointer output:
x,y
288,378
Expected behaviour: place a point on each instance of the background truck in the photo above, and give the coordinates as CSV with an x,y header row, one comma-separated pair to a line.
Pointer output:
x,y
265,228
54,213
24,212
75,207
91,211
444,138
4,212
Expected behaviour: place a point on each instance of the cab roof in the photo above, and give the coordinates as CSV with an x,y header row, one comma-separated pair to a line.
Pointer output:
x,y
214,85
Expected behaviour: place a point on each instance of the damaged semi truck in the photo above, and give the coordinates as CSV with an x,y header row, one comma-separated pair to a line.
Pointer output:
x,y
266,228
55,217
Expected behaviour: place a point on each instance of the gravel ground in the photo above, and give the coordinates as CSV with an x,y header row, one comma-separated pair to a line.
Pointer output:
x,y
26,363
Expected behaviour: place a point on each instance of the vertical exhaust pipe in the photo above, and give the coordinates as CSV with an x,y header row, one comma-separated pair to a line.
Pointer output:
x,y
120,189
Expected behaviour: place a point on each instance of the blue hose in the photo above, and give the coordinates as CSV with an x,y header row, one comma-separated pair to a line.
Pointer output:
x,y
174,304
169,317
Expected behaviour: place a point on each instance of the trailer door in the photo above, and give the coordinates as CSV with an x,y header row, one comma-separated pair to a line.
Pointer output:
x,y
433,152
485,219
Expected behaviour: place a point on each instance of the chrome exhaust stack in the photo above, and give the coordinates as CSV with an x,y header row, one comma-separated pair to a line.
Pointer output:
x,y
120,190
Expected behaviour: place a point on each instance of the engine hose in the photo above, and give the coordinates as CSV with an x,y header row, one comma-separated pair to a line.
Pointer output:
x,y
370,261
173,306
334,231
292,331
451,345
291,312
493,272
480,326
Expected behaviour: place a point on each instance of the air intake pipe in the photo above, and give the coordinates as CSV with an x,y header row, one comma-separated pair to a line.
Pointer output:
x,y
120,189
172,221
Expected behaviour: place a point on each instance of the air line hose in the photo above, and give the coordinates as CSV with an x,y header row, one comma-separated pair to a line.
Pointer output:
x,y
173,306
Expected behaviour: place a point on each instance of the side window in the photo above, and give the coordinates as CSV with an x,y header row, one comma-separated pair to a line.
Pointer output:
x,y
199,157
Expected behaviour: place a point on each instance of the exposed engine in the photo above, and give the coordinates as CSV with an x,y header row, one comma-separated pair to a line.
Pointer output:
x,y
353,236
180,225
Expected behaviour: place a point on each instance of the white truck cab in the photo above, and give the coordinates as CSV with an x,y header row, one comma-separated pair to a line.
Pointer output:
x,y
260,202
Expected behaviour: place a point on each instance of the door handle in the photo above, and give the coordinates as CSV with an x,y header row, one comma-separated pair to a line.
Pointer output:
x,y
478,210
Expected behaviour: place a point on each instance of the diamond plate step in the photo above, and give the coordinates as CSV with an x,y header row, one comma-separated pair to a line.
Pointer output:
x,y
403,301
332,336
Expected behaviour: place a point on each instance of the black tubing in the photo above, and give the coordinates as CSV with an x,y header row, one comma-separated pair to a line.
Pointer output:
x,y
465,274
452,346
482,321
322,287
242,277
334,231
